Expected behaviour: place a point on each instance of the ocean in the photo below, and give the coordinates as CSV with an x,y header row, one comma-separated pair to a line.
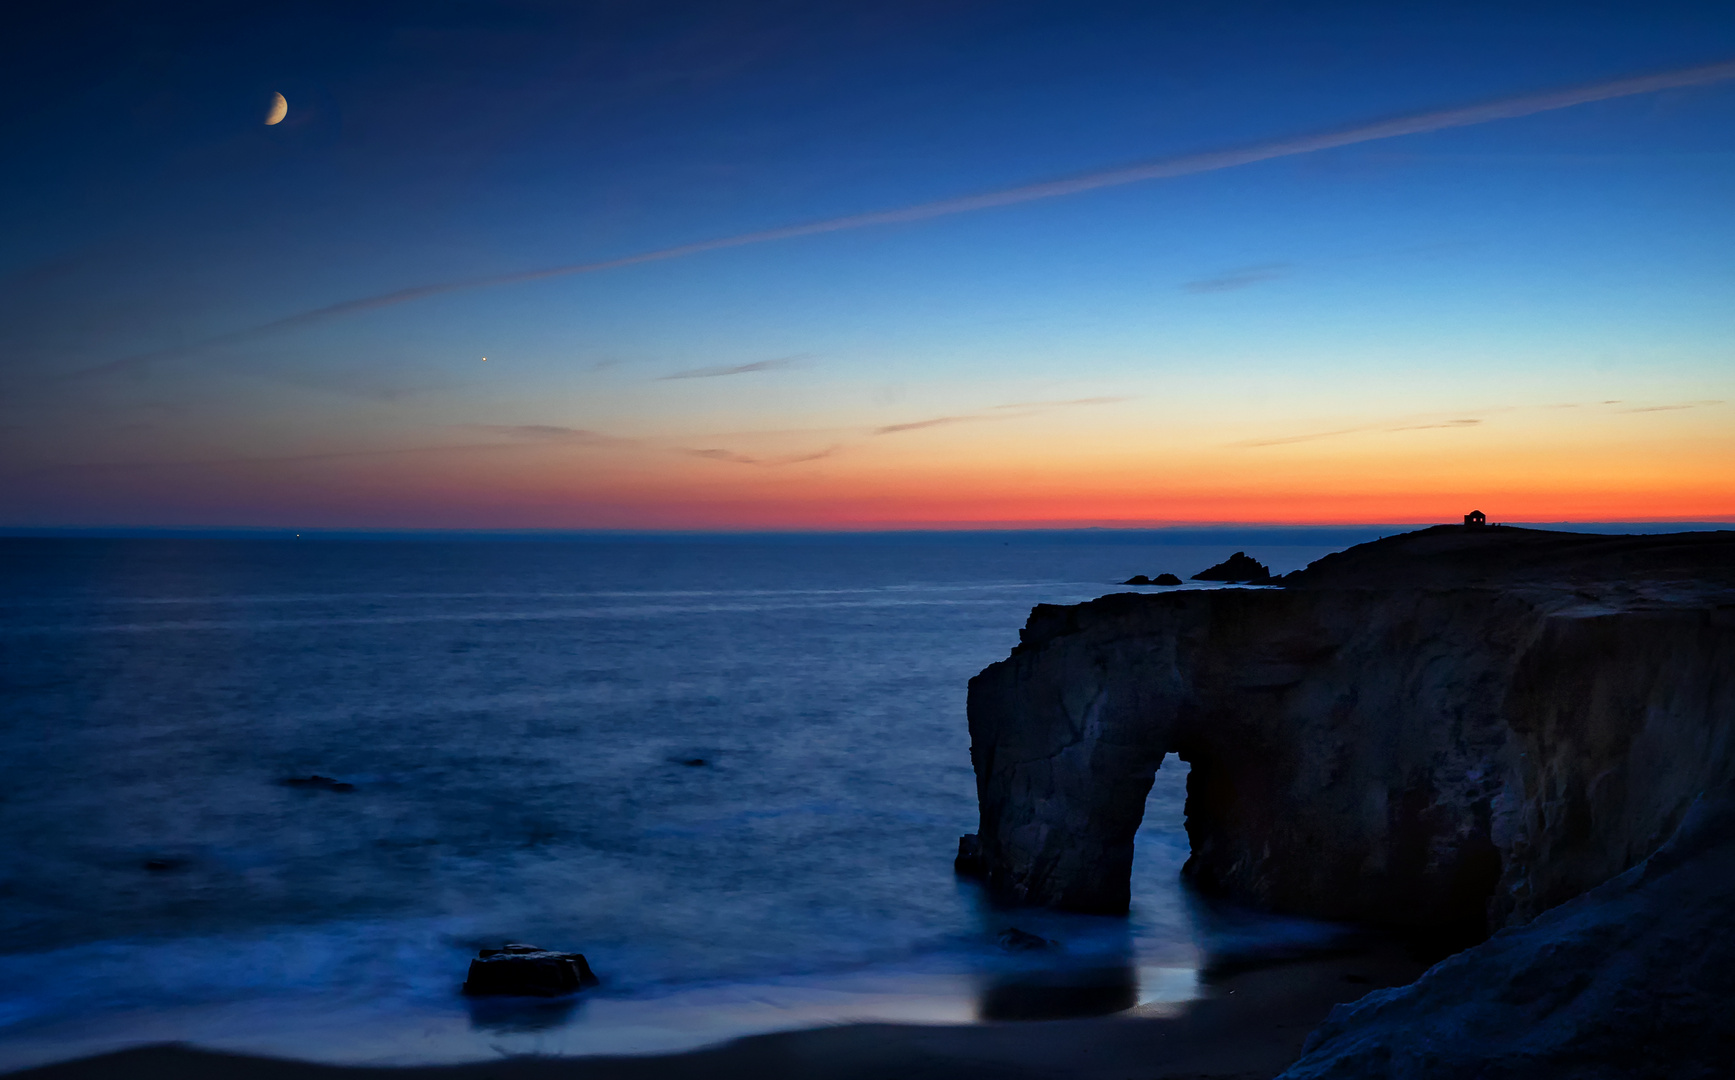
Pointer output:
x,y
731,770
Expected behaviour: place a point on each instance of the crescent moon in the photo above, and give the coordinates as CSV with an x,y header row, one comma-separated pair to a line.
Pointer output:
x,y
278,110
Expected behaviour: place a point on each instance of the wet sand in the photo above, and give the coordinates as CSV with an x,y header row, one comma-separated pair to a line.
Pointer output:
x,y
1250,1025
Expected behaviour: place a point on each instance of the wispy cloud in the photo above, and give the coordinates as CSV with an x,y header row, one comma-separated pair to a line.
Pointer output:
x,y
1669,408
996,412
279,459
1240,279
1506,108
1386,428
764,462
739,369
1459,422
1468,421
548,433
1063,403
1310,437
934,421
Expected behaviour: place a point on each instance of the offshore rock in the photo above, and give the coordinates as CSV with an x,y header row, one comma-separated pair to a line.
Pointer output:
x,y
527,971
1239,567
1635,978
1447,731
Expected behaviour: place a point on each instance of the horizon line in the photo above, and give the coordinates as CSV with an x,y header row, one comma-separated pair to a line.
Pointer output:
x,y
950,528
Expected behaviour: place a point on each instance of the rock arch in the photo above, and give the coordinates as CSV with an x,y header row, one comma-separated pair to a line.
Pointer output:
x,y
1439,759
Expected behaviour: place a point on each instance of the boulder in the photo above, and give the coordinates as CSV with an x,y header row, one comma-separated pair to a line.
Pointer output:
x,y
1137,579
527,971
1165,579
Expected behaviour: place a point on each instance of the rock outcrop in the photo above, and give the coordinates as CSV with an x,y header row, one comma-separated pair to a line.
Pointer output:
x,y
1238,568
1635,978
1448,731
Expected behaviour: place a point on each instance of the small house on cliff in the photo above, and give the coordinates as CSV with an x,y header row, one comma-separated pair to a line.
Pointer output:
x,y
1475,517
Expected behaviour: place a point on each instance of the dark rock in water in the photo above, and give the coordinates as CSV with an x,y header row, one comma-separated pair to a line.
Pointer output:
x,y
164,866
527,971
1165,579
694,762
1138,579
1633,978
316,783
1239,568
969,860
1018,940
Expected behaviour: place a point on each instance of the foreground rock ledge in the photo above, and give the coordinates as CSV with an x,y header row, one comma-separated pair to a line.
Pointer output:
x,y
1449,731
1635,978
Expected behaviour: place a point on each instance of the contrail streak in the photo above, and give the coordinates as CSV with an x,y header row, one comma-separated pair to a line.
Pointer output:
x,y
1159,169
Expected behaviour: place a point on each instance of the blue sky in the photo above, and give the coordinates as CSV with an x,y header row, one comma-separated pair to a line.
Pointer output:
x,y
1536,309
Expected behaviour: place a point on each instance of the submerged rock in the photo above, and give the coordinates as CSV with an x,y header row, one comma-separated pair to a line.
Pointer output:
x,y
1239,568
1013,939
527,971
1138,579
316,783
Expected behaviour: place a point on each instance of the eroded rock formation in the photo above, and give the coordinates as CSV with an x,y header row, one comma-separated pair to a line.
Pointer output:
x,y
1450,730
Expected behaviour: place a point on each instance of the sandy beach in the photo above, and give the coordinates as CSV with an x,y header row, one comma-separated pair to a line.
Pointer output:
x,y
1250,1025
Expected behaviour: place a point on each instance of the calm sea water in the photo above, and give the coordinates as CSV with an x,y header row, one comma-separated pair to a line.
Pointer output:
x,y
521,721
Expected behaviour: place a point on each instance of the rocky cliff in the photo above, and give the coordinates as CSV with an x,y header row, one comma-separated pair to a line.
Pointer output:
x,y
1450,730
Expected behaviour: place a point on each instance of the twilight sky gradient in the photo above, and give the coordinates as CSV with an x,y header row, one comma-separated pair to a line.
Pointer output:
x,y
1534,315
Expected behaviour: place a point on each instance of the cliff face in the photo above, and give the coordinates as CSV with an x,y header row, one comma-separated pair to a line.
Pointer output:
x,y
1449,730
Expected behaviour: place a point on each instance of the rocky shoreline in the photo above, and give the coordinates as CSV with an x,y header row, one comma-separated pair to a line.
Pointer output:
x,y
1511,745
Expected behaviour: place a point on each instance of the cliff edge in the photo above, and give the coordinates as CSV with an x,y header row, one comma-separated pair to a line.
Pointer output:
x,y
1447,731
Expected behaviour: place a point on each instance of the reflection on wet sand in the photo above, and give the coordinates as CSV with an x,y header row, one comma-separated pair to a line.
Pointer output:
x,y
507,1015
1060,995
